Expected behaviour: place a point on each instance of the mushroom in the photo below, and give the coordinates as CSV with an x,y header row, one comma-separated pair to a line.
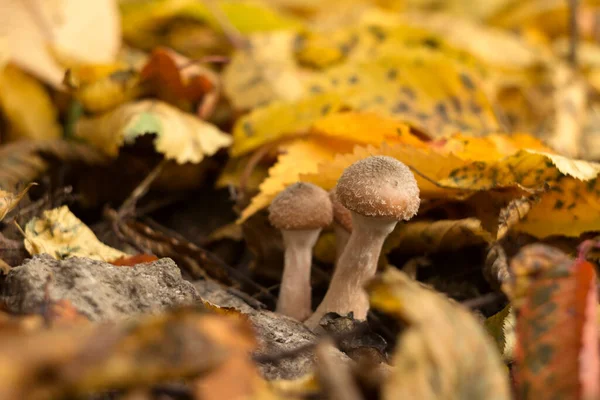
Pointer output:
x,y
379,191
300,212
342,224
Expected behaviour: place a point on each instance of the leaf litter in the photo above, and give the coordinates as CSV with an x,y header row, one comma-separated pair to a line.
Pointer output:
x,y
492,107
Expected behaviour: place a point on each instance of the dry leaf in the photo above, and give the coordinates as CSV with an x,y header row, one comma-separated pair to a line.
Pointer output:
x,y
502,328
21,162
434,236
555,300
263,72
177,80
9,200
180,136
96,357
26,106
37,30
425,363
61,234
571,203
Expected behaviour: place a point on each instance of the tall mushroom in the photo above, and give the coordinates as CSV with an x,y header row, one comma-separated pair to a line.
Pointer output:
x,y
342,224
300,212
379,191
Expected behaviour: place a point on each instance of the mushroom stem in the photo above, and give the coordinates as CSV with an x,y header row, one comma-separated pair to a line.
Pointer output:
x,y
357,264
341,239
295,291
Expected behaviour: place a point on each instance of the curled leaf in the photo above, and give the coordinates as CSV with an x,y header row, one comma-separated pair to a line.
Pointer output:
x,y
9,200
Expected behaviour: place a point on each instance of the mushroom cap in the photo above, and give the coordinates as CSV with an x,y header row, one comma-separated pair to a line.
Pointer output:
x,y
341,214
379,186
301,206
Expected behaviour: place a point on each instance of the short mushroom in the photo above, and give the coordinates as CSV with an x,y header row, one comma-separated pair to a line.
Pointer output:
x,y
379,191
342,224
300,212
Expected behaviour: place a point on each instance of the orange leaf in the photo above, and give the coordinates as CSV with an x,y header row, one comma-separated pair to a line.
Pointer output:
x,y
555,300
134,260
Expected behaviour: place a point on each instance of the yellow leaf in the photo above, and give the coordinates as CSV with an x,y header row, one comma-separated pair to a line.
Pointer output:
x,y
27,106
422,353
82,31
570,206
263,72
501,327
433,165
9,200
302,156
365,128
61,234
426,90
180,136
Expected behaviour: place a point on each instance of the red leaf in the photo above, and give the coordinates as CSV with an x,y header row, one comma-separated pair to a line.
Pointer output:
x,y
134,260
555,300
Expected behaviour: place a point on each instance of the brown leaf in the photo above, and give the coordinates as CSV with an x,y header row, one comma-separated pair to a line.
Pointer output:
x,y
22,162
426,363
134,260
95,357
555,302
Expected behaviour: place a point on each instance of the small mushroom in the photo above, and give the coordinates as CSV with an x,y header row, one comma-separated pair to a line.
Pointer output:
x,y
379,191
342,224
300,212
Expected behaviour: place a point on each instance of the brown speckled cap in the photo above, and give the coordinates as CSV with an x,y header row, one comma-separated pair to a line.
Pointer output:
x,y
341,214
301,206
379,186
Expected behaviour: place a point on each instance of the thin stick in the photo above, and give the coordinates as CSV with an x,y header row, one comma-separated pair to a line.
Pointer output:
x,y
128,205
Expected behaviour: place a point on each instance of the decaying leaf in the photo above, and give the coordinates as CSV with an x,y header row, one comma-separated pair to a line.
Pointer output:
x,y
179,136
433,236
95,357
502,328
426,90
37,31
175,79
23,161
555,301
61,234
425,363
571,203
26,106
9,200
263,72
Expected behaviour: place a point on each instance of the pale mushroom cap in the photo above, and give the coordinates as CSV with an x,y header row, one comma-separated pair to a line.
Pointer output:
x,y
301,206
379,186
341,214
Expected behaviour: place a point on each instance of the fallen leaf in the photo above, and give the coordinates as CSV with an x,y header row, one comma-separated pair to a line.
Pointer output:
x,y
98,357
26,106
434,236
263,72
555,301
181,137
61,234
426,90
9,200
23,161
571,203
302,156
502,328
421,353
177,80
37,31
130,261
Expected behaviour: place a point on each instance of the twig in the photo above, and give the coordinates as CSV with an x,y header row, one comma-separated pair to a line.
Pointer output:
x,y
482,300
128,206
